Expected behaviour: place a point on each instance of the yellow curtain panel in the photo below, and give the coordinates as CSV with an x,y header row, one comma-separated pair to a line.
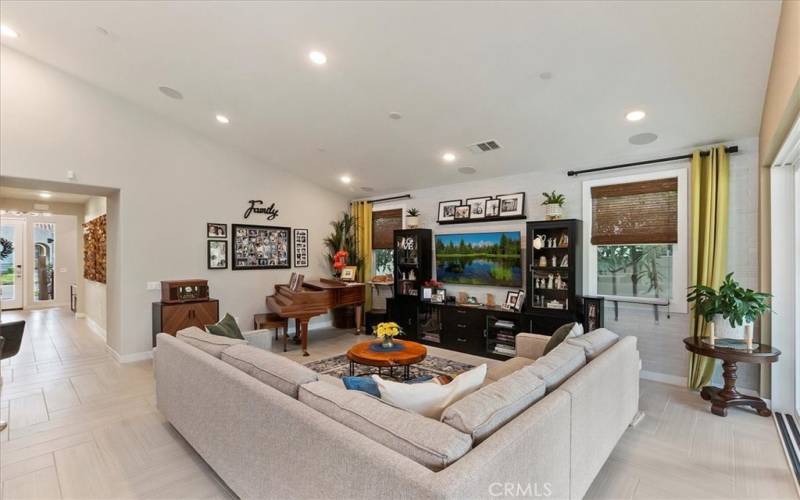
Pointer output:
x,y
709,242
362,215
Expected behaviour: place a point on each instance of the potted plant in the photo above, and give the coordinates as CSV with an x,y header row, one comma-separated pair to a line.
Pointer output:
x,y
341,250
552,205
412,218
731,310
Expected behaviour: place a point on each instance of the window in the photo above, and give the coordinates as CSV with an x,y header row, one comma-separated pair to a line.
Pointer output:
x,y
384,223
44,248
635,233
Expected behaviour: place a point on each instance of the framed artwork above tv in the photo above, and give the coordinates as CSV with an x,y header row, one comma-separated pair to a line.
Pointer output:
x,y
490,258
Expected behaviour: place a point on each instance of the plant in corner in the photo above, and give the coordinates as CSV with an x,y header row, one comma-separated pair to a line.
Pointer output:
x,y
552,204
731,305
342,242
412,218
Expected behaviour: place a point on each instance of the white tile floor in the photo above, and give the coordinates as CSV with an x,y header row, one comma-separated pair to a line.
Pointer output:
x,y
84,426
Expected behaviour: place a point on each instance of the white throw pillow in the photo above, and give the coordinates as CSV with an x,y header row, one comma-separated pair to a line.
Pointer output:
x,y
430,399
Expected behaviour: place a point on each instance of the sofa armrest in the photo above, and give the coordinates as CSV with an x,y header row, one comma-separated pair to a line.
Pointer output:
x,y
531,345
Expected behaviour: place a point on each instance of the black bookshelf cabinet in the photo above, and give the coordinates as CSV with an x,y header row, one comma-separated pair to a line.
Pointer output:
x,y
413,261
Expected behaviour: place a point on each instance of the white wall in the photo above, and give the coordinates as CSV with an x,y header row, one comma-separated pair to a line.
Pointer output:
x,y
660,342
94,295
171,182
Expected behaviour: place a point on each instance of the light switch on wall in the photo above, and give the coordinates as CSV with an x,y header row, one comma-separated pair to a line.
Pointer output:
x,y
153,285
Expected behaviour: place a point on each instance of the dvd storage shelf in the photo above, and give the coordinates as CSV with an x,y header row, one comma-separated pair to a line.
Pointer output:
x,y
501,333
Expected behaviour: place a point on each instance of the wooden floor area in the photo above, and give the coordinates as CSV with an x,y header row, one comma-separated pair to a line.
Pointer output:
x,y
84,426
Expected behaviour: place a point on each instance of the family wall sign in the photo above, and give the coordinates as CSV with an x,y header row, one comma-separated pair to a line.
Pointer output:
x,y
257,207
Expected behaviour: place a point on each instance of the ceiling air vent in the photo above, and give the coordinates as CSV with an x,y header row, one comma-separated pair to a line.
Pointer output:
x,y
484,147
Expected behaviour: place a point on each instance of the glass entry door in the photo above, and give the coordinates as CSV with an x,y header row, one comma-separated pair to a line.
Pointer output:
x,y
12,233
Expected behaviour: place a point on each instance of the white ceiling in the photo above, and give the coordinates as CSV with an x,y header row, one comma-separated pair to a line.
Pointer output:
x,y
459,72
33,194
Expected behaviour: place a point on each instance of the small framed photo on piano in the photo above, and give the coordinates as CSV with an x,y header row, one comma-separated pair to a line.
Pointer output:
x,y
349,273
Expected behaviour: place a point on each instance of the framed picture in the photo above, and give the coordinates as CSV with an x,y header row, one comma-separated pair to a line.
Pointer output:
x,y
218,254
261,247
511,204
511,299
493,208
427,293
349,273
216,230
520,302
462,212
447,210
477,207
301,248
438,296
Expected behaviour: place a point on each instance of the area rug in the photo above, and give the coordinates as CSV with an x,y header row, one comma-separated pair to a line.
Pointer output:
x,y
339,366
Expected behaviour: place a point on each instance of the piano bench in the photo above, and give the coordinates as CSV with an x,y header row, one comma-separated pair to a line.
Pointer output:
x,y
271,321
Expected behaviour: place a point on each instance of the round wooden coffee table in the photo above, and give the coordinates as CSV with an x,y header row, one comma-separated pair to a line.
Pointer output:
x,y
411,353
727,396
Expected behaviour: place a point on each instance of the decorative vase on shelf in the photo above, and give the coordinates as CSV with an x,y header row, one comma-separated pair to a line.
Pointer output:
x,y
412,222
553,211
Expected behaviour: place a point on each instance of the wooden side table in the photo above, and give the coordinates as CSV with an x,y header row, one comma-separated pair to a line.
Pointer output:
x,y
727,396
411,354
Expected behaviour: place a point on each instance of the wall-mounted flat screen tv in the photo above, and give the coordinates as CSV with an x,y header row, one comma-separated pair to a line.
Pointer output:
x,y
493,259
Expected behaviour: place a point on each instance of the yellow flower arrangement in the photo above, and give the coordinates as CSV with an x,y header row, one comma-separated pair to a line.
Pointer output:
x,y
389,329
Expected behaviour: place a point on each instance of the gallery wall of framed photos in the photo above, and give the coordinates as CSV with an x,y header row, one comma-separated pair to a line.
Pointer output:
x,y
256,247
482,209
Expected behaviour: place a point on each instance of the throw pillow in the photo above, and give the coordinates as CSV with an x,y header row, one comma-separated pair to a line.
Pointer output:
x,y
366,384
430,399
226,327
563,332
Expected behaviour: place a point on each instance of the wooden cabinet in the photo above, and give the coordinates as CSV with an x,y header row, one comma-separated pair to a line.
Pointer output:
x,y
169,318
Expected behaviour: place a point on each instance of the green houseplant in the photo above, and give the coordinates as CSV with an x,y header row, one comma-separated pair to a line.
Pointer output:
x,y
412,218
343,239
552,204
730,307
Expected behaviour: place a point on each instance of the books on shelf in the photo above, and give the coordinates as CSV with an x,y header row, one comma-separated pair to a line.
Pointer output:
x,y
502,323
505,350
505,338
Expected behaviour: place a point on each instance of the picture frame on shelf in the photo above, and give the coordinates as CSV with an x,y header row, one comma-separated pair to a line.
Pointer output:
x,y
427,293
447,210
300,247
477,207
462,212
261,247
511,204
438,296
217,254
348,273
492,208
511,299
216,230
519,303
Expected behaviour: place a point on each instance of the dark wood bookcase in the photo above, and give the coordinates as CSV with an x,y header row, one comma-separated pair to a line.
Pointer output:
x,y
413,261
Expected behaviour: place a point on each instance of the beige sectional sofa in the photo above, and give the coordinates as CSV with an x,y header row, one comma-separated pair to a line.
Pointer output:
x,y
541,426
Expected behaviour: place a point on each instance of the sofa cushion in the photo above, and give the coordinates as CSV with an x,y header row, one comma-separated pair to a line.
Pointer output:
x,y
595,342
276,371
426,441
430,399
558,365
562,333
226,327
486,410
212,344
507,367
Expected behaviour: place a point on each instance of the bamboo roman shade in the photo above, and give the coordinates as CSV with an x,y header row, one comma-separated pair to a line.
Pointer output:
x,y
383,225
635,213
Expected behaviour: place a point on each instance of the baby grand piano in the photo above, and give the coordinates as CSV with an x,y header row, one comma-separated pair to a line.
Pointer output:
x,y
316,297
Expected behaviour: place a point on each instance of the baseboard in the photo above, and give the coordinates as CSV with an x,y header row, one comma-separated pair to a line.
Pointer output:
x,y
684,382
95,328
130,358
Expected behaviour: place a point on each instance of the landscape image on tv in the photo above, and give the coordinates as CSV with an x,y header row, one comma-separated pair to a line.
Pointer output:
x,y
480,259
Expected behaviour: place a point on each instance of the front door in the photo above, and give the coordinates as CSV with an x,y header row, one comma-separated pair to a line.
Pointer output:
x,y
12,233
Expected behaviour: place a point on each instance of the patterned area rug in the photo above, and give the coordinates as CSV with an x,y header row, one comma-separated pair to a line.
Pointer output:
x,y
339,366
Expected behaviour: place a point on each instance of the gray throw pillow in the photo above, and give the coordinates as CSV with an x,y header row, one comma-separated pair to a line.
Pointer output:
x,y
562,333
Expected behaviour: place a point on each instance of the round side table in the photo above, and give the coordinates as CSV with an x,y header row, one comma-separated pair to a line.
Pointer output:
x,y
727,396
411,354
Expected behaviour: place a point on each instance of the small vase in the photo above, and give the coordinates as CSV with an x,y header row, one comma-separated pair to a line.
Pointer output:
x,y
387,342
553,211
412,221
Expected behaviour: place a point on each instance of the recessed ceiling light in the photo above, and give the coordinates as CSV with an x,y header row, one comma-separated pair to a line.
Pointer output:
x,y
642,139
45,194
223,119
635,115
170,92
467,170
449,157
317,57
394,115
345,179
7,31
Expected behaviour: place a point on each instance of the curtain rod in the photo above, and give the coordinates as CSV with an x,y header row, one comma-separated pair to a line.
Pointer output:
x,y
390,198
571,173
